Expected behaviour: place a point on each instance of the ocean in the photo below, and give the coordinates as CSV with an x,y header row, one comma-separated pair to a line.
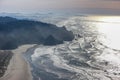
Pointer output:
x,y
94,54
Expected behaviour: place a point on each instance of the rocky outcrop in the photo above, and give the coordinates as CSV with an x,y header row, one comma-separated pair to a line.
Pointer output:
x,y
14,32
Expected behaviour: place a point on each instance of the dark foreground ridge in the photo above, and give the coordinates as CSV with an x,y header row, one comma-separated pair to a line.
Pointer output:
x,y
14,32
5,57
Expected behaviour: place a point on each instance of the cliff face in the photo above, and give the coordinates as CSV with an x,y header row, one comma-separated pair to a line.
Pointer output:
x,y
14,32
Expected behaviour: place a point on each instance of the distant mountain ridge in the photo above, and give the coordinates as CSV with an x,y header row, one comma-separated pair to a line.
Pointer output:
x,y
14,32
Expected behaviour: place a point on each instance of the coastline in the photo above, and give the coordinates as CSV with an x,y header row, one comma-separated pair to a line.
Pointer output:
x,y
18,68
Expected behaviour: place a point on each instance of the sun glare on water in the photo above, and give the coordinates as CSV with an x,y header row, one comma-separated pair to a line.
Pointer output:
x,y
110,28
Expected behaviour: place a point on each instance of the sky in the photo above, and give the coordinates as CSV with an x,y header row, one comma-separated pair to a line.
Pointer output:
x,y
87,6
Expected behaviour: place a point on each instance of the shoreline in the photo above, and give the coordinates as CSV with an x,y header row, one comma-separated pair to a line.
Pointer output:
x,y
18,68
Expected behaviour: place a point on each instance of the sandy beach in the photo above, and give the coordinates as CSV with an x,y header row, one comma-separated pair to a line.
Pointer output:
x,y
18,68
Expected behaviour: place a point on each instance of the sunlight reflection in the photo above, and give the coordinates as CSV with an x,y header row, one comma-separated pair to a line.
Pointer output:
x,y
111,30
111,19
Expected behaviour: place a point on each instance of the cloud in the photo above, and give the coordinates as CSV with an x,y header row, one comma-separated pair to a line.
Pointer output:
x,y
112,0
36,5
105,0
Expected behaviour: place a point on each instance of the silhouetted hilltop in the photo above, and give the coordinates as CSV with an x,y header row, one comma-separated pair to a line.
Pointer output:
x,y
14,32
7,19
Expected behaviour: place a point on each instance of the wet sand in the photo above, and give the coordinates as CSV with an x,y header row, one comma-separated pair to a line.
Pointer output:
x,y
18,68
